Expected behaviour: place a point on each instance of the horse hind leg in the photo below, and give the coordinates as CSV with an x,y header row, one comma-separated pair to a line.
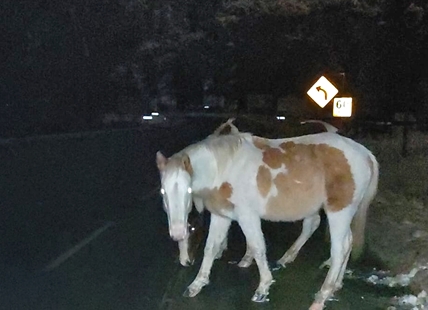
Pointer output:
x,y
251,227
341,245
310,224
223,247
327,264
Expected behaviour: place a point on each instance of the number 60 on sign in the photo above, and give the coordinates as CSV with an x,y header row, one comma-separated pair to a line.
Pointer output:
x,y
342,107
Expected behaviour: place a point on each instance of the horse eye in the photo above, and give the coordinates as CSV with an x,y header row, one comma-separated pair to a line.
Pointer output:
x,y
189,190
162,191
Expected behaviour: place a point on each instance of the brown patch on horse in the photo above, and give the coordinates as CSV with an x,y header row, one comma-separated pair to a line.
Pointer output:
x,y
315,173
217,199
264,180
301,190
339,182
273,157
260,143
187,164
290,146
225,190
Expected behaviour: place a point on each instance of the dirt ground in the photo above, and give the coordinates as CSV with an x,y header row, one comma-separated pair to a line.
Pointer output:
x,y
397,228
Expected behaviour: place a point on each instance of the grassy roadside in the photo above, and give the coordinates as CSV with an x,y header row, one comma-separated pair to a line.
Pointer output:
x,y
397,231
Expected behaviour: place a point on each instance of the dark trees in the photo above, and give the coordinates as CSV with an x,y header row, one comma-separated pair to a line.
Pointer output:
x,y
67,63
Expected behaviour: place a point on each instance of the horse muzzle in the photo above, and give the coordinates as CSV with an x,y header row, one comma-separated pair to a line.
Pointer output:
x,y
178,232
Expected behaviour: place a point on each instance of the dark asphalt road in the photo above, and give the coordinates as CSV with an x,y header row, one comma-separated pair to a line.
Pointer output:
x,y
54,193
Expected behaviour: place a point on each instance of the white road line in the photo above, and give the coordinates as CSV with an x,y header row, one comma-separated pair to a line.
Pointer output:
x,y
66,255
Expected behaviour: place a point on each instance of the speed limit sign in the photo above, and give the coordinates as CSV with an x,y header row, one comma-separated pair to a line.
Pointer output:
x,y
342,107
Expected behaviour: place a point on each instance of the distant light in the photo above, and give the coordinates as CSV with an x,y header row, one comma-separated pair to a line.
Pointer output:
x,y
155,113
206,106
147,117
281,118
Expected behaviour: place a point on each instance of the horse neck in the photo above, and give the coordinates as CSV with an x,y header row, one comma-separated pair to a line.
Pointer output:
x,y
204,169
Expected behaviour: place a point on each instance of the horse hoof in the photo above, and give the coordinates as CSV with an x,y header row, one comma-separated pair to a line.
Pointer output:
x,y
326,264
317,306
186,263
244,264
191,292
275,266
259,297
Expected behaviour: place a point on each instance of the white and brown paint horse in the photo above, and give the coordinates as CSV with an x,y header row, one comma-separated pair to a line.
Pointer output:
x,y
186,250
248,178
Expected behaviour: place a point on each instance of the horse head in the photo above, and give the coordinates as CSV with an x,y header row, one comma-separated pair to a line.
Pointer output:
x,y
176,177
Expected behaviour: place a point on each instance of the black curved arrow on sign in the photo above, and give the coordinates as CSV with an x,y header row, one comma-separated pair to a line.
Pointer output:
x,y
319,88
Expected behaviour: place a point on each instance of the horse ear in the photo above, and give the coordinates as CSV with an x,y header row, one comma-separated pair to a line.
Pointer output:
x,y
161,161
187,164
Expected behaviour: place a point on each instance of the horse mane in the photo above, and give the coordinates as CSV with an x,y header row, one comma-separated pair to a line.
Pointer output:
x,y
223,147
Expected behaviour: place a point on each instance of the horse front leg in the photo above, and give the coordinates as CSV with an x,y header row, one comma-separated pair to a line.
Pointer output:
x,y
219,227
199,205
183,247
251,227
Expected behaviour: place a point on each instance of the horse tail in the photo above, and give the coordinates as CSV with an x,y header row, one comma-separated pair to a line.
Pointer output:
x,y
328,127
359,221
